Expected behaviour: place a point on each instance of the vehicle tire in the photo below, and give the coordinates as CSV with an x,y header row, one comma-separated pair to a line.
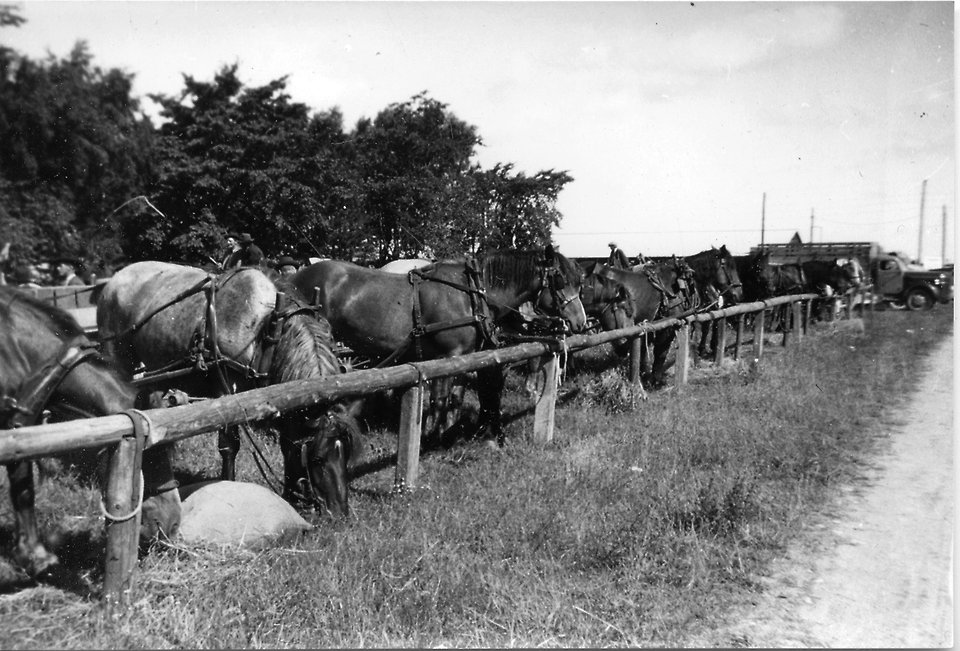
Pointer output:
x,y
919,299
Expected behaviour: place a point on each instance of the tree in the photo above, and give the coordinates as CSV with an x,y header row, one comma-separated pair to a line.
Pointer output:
x,y
412,161
72,148
234,159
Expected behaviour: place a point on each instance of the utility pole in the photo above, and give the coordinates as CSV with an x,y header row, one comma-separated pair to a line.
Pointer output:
x,y
811,225
763,220
943,238
923,196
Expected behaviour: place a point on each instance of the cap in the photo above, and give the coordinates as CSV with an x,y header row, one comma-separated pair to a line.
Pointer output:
x,y
245,238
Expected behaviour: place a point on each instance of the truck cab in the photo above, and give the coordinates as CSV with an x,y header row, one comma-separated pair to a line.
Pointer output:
x,y
903,286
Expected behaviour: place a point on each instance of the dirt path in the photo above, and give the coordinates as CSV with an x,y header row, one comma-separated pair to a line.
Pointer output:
x,y
877,570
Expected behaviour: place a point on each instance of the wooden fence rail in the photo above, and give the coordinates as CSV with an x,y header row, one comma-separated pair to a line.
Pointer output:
x,y
158,426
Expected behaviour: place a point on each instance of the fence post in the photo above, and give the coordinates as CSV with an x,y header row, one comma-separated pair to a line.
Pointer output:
x,y
543,420
739,342
758,323
720,323
683,355
636,347
797,322
121,499
807,311
408,438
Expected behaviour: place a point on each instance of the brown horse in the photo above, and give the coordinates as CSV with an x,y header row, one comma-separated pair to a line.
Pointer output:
x,y
46,362
718,281
651,298
445,309
214,335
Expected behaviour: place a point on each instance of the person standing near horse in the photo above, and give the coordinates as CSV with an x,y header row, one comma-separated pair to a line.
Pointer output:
x,y
287,266
617,259
243,252
66,270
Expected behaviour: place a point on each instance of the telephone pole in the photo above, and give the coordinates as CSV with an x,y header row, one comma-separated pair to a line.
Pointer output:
x,y
923,196
943,238
811,224
763,220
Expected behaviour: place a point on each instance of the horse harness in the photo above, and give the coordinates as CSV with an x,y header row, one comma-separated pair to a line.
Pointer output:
x,y
26,406
481,316
204,350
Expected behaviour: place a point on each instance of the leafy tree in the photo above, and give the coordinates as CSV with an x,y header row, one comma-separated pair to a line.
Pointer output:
x,y
233,159
72,148
412,159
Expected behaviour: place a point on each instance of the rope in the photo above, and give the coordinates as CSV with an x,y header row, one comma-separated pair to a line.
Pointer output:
x,y
123,518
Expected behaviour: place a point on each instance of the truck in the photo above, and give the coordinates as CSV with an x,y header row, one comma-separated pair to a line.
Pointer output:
x,y
895,281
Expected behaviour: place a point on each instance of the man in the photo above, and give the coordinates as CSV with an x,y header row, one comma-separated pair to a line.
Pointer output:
x,y
244,253
66,270
286,266
617,259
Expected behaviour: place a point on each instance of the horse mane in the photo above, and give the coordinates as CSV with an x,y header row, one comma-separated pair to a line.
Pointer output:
x,y
503,266
305,350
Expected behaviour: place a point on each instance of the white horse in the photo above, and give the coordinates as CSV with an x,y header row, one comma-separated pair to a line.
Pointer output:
x,y
405,266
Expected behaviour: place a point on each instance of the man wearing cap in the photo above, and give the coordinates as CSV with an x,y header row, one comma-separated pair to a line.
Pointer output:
x,y
286,266
617,259
244,253
66,270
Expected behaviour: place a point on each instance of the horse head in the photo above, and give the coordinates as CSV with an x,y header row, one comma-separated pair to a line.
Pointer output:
x,y
727,279
559,291
317,442
608,301
323,459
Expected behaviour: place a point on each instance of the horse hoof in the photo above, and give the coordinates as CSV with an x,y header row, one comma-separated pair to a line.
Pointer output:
x,y
37,563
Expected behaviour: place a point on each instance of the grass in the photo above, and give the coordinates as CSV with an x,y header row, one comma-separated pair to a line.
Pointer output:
x,y
640,525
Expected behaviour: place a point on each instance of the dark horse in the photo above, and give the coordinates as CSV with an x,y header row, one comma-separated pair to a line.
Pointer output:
x,y
214,335
718,282
653,293
757,275
46,362
444,309
828,278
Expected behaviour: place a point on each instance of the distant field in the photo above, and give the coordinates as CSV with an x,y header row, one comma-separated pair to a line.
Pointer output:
x,y
640,525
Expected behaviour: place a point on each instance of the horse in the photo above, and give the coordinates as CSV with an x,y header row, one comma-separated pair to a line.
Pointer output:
x,y
46,361
650,299
829,278
212,335
757,276
718,281
445,309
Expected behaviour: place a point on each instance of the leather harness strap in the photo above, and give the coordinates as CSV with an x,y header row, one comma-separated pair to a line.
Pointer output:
x,y
27,405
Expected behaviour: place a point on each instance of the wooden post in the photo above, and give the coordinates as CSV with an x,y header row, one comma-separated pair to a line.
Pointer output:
x,y
408,438
720,323
683,355
849,310
758,335
739,342
636,357
807,310
787,326
543,420
797,322
122,502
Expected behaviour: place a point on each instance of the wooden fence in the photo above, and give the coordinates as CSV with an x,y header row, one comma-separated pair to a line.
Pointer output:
x,y
159,426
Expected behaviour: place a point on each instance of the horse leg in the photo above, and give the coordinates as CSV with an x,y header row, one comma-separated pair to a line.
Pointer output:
x,y
490,382
662,341
29,553
228,441
161,511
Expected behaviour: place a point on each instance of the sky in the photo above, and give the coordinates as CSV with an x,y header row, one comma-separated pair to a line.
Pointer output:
x,y
684,125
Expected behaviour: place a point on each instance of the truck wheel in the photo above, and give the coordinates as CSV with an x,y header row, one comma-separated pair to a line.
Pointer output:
x,y
918,299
